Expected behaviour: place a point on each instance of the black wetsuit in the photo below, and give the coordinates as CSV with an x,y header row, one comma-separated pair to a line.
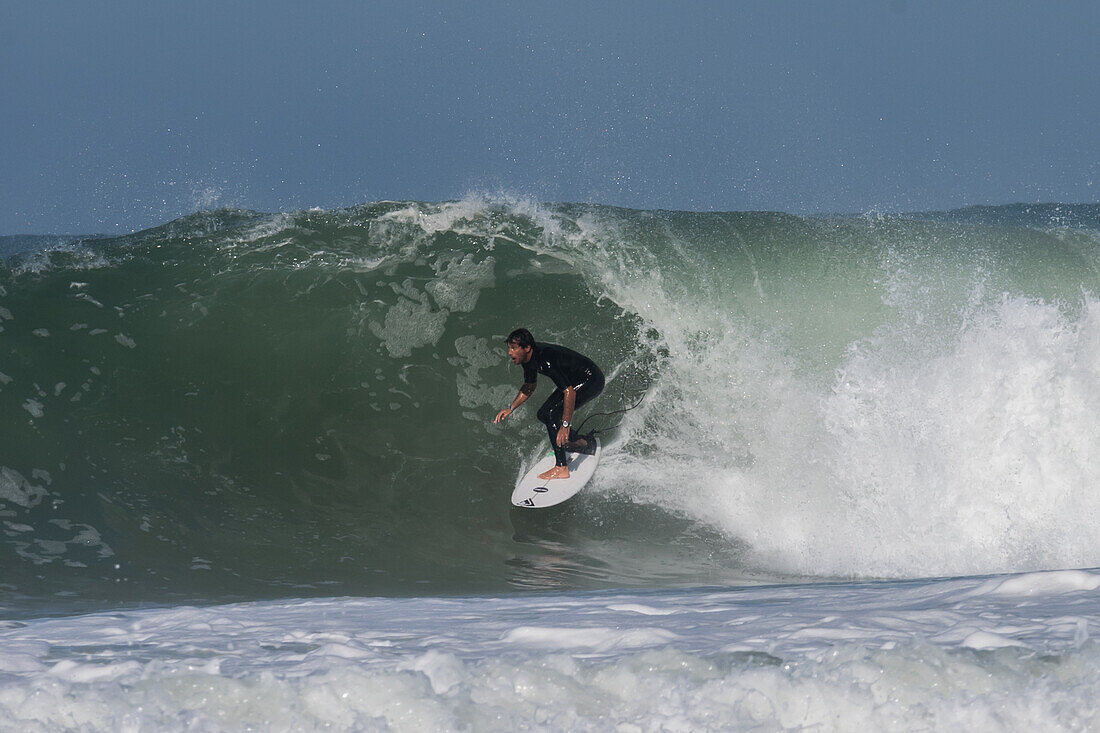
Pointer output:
x,y
566,368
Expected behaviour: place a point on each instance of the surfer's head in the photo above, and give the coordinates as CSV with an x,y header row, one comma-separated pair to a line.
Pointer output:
x,y
520,345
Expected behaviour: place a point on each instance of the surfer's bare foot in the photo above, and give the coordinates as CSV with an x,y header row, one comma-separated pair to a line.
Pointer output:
x,y
555,472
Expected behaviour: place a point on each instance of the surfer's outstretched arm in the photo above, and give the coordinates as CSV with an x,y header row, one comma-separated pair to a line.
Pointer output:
x,y
524,392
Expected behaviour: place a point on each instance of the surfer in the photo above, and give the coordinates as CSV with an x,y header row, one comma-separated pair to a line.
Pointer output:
x,y
578,380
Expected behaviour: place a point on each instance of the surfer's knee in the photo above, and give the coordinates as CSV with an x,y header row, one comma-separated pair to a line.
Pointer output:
x,y
546,415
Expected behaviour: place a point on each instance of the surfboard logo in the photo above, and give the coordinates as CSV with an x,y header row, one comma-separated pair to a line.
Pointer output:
x,y
541,489
528,502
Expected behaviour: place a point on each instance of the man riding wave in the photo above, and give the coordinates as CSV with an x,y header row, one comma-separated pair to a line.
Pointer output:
x,y
577,380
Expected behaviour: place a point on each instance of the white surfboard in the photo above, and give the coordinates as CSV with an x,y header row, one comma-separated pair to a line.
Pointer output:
x,y
533,492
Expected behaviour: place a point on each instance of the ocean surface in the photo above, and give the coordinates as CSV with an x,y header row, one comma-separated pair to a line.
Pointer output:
x,y
249,477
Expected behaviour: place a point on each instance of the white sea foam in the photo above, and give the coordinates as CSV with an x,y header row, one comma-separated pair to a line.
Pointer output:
x,y
459,281
450,216
18,490
266,228
1006,653
409,325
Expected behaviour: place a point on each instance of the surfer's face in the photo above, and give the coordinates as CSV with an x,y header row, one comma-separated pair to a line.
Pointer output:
x,y
519,354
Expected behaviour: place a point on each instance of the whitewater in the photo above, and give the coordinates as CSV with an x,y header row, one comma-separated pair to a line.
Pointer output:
x,y
248,475
1004,653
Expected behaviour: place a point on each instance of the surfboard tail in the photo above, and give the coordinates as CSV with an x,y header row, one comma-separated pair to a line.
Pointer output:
x,y
585,444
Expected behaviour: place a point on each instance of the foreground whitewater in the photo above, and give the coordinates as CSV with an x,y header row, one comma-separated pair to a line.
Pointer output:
x,y
996,653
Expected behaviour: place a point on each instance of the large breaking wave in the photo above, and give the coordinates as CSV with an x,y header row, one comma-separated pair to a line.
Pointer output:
x,y
251,404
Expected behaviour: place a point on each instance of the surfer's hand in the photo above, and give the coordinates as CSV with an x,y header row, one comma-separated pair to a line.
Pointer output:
x,y
563,436
502,414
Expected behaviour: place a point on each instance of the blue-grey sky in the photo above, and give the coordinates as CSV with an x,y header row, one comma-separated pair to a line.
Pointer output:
x,y
125,114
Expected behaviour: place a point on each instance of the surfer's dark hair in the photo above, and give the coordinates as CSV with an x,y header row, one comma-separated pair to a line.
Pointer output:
x,y
521,337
